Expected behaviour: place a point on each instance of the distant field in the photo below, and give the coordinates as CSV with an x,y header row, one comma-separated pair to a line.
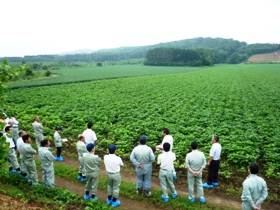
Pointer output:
x,y
240,103
89,73
269,57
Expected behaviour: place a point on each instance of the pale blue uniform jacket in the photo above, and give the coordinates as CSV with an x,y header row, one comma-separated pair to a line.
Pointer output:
x,y
254,191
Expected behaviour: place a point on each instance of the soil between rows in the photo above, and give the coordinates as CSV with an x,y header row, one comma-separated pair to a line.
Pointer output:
x,y
211,195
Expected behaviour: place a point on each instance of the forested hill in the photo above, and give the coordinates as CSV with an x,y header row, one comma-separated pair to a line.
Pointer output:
x,y
224,51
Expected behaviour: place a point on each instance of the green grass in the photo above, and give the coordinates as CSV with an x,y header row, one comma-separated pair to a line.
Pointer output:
x,y
48,198
128,189
89,73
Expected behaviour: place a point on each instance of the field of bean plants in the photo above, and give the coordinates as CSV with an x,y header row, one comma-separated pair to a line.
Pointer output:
x,y
90,72
240,103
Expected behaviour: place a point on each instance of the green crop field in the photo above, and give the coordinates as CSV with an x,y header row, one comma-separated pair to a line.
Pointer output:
x,y
89,73
240,103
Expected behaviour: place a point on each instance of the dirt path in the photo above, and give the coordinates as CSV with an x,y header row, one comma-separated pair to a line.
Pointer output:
x,y
213,196
181,188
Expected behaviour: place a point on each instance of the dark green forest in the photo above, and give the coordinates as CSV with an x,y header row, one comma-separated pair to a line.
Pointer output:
x,y
193,52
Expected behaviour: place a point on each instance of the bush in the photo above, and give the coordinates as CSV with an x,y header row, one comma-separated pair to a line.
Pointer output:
x,y
48,73
28,71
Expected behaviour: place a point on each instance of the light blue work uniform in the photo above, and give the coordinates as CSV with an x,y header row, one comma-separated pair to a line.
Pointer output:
x,y
46,158
142,154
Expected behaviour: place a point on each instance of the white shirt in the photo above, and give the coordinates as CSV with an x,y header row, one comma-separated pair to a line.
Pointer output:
x,y
169,139
19,144
90,136
9,140
15,122
113,163
215,151
166,160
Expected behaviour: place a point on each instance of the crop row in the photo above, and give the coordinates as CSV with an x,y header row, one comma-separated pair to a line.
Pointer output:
x,y
239,103
89,73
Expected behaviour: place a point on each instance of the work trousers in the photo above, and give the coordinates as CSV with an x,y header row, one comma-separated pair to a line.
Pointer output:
x,y
82,166
92,182
213,171
15,135
22,165
12,159
144,176
31,172
48,176
39,138
195,180
166,176
114,182
58,151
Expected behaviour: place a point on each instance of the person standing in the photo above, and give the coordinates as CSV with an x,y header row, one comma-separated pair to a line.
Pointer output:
x,y
46,158
58,143
166,160
195,163
12,159
112,165
89,134
91,168
213,163
169,139
15,129
81,149
142,157
254,189
19,148
38,130
28,157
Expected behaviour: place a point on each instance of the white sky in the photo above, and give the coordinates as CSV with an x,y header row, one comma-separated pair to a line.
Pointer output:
x,y
33,27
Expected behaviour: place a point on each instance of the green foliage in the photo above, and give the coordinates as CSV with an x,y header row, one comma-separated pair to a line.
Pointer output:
x,y
52,198
221,49
28,72
6,75
99,64
240,103
44,67
178,57
48,73
89,73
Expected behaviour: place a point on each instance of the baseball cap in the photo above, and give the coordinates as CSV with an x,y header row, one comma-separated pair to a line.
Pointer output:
x,y
90,146
112,148
143,139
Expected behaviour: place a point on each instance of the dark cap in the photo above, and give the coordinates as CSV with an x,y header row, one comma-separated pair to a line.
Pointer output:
x,y
112,148
90,146
59,128
143,139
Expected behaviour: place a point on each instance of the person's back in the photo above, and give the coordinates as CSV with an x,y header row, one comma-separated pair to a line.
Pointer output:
x,y
91,162
38,128
254,189
81,148
89,134
196,160
142,154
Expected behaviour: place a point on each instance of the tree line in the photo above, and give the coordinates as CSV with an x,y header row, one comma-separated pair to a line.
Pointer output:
x,y
216,50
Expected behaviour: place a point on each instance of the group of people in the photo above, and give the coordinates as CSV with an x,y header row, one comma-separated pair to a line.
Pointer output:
x,y
142,157
20,146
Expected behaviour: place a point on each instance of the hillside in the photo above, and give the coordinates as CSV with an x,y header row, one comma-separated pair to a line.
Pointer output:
x,y
223,50
262,58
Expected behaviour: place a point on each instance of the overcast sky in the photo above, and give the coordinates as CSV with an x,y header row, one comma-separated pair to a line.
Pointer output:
x,y
33,27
